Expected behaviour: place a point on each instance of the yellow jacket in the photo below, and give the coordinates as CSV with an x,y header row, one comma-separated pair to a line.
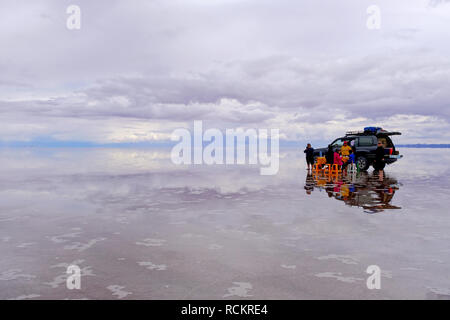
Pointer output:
x,y
345,150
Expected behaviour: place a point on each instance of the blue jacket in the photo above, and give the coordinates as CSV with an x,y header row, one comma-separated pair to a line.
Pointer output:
x,y
351,158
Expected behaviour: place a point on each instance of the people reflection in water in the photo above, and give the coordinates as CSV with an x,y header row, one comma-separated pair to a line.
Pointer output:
x,y
309,184
371,191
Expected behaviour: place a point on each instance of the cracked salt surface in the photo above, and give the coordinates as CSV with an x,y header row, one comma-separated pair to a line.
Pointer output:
x,y
24,297
285,266
338,276
151,266
79,246
149,242
241,289
118,291
65,237
14,274
341,258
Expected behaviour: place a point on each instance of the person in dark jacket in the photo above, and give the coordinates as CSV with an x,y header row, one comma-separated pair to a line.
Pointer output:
x,y
330,155
378,163
309,151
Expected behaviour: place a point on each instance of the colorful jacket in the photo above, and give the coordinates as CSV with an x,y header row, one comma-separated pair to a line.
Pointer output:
x,y
351,158
337,159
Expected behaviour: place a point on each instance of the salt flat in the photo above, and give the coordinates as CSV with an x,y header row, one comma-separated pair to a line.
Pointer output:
x,y
140,227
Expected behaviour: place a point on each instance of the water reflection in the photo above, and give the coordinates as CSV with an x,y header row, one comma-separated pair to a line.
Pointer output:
x,y
371,191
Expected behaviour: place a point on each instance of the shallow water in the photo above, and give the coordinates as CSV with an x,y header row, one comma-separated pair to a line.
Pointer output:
x,y
140,227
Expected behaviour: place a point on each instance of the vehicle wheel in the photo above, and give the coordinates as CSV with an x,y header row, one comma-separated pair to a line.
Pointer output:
x,y
362,163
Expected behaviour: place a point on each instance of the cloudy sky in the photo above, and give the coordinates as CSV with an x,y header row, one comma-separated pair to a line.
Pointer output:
x,y
136,70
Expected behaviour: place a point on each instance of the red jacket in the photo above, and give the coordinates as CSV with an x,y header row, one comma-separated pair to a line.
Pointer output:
x,y
337,159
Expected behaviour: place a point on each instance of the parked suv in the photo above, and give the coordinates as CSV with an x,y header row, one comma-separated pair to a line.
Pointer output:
x,y
364,145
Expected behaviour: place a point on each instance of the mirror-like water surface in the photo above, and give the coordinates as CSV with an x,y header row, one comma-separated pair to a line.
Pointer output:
x,y
140,227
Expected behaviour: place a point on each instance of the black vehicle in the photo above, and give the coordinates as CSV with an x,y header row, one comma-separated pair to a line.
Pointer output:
x,y
364,144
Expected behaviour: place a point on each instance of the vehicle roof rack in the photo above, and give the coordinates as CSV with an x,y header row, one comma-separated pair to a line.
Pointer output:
x,y
370,131
354,132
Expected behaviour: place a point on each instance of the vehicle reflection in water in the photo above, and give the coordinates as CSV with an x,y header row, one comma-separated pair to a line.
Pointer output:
x,y
370,191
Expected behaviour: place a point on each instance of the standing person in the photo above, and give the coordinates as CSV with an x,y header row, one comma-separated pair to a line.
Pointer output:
x,y
329,156
345,153
345,149
351,159
337,159
378,163
309,151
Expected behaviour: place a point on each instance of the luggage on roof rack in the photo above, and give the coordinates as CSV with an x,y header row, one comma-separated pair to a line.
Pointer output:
x,y
372,129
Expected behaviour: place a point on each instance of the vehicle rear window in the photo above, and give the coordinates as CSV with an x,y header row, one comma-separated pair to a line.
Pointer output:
x,y
366,141
338,143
